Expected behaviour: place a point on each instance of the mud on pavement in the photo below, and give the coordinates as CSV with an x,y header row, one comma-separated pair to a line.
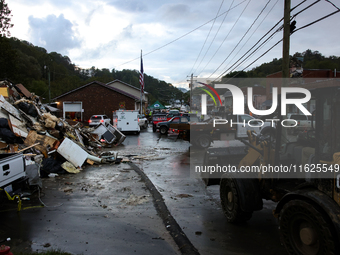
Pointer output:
x,y
104,209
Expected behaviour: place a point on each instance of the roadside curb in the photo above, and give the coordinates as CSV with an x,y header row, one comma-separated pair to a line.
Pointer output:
x,y
180,238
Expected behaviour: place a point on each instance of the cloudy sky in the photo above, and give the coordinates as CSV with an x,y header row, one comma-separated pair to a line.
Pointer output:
x,y
177,38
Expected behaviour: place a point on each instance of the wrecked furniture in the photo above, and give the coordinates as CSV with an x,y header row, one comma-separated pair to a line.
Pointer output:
x,y
12,167
27,126
109,134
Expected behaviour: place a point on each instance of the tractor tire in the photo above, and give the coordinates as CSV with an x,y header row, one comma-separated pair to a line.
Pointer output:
x,y
203,141
268,131
163,130
305,229
231,203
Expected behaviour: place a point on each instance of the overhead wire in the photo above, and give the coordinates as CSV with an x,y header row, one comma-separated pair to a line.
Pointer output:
x,y
305,8
213,41
252,53
212,25
230,31
251,36
318,20
270,37
242,36
332,4
178,38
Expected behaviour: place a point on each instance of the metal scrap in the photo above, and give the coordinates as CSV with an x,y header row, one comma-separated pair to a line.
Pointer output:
x,y
37,131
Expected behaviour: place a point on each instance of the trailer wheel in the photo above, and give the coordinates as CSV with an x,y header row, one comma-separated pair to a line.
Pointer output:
x,y
163,130
305,230
231,203
203,141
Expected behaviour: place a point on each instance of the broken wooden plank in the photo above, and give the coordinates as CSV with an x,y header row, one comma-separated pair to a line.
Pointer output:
x,y
9,108
28,147
18,127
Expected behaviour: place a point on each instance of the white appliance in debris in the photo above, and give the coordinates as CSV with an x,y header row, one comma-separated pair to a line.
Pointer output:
x,y
126,121
12,168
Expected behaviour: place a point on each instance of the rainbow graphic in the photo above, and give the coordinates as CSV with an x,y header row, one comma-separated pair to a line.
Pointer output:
x,y
209,93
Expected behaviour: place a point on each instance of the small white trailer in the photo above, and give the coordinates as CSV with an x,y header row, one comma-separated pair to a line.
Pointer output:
x,y
126,121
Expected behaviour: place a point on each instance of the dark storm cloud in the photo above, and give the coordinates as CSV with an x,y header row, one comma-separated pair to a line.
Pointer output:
x,y
53,33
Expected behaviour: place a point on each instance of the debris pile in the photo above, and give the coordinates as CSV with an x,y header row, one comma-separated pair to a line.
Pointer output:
x,y
29,127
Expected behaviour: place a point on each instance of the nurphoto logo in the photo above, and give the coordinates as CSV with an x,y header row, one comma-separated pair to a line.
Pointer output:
x,y
238,103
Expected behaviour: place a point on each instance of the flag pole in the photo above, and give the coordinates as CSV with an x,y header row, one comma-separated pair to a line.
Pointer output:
x,y
141,82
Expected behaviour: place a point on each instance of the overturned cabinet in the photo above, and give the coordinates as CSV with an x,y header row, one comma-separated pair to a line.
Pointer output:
x,y
109,134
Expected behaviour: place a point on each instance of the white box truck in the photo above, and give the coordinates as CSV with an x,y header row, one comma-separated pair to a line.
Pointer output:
x,y
126,121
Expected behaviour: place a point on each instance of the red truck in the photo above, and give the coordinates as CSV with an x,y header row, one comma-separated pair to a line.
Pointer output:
x,y
158,117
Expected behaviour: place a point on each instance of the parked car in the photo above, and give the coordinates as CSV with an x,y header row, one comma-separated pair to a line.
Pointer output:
x,y
142,121
202,134
173,113
164,126
99,119
156,118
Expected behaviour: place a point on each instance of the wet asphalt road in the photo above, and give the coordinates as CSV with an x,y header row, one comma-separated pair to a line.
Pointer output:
x,y
196,208
104,209
108,210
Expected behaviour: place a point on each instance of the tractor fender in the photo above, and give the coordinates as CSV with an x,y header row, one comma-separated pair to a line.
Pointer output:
x,y
318,199
249,194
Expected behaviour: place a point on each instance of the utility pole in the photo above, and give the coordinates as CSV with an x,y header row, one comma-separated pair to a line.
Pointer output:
x,y
49,86
285,66
191,85
286,40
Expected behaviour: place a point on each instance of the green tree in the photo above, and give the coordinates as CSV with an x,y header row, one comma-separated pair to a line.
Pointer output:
x,y
8,60
5,19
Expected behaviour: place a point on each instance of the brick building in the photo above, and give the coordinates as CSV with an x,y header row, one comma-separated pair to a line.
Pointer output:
x,y
94,98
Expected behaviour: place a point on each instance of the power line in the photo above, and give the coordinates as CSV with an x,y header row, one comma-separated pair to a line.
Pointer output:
x,y
270,37
251,37
297,5
243,36
332,4
305,8
318,20
213,40
150,52
212,25
256,59
229,32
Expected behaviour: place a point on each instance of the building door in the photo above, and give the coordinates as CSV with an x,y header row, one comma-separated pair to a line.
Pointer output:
x,y
73,111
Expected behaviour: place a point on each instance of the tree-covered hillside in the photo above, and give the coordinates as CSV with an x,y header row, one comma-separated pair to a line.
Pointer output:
x,y
33,66
308,60
22,62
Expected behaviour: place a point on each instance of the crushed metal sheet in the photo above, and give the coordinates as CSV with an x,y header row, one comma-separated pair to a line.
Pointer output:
x,y
48,136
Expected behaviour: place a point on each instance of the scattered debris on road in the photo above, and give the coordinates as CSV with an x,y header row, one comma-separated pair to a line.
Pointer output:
x,y
49,144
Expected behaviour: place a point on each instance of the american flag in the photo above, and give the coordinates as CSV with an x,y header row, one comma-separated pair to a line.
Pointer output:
x,y
141,76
